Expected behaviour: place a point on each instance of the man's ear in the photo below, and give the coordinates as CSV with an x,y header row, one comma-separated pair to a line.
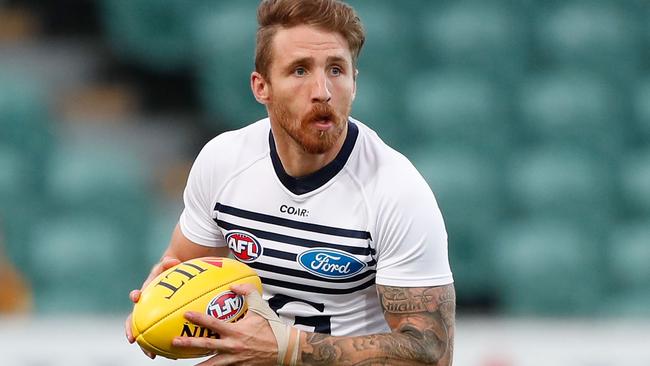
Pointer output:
x,y
260,87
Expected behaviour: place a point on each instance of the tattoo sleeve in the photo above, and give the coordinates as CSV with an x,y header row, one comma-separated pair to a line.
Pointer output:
x,y
422,321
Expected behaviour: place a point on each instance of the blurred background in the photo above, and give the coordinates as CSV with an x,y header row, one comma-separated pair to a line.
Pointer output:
x,y
530,119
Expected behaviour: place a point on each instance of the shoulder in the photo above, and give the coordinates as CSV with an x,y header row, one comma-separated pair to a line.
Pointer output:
x,y
383,171
234,148
247,140
228,153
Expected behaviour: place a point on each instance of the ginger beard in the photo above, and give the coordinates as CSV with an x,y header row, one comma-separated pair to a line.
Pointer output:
x,y
303,130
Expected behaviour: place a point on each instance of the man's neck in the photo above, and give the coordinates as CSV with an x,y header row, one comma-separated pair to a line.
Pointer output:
x,y
296,161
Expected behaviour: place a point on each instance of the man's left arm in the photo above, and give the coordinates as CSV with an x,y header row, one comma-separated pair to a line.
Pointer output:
x,y
422,320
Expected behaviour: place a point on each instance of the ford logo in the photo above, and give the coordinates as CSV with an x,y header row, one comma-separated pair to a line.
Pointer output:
x,y
330,263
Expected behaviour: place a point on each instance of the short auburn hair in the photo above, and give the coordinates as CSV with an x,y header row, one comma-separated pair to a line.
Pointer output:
x,y
328,15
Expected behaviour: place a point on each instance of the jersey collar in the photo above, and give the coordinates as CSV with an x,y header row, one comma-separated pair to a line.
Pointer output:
x,y
317,179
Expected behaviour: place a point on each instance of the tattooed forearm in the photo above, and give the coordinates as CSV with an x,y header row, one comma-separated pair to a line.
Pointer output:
x,y
422,320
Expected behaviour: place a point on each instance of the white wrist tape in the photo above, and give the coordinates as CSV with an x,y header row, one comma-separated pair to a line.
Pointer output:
x,y
288,337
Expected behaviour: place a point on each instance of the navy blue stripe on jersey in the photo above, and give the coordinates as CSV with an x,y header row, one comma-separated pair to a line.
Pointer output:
x,y
315,289
296,241
280,254
321,229
317,179
303,274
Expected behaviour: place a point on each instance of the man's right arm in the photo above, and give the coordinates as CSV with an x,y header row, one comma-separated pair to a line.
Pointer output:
x,y
180,249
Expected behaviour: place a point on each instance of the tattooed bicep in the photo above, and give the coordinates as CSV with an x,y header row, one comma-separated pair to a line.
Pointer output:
x,y
408,300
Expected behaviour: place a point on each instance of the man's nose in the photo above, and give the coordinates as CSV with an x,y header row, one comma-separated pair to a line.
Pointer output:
x,y
321,89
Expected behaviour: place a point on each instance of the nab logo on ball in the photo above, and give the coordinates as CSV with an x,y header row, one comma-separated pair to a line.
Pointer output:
x,y
226,306
244,246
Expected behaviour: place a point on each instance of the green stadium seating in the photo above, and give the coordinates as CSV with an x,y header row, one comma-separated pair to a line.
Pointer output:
x,y
468,189
103,179
25,143
454,107
16,180
80,263
163,219
25,121
562,182
628,256
642,110
485,36
626,305
547,268
153,33
377,106
390,44
18,202
635,181
601,36
224,38
573,108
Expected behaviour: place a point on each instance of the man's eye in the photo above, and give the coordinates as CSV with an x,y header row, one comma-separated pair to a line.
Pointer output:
x,y
300,71
336,71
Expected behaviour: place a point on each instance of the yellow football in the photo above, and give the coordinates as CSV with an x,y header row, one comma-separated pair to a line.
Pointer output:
x,y
201,285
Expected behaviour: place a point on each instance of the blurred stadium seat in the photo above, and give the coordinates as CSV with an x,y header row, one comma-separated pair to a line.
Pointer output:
x,y
224,38
103,180
481,36
454,107
81,263
153,33
575,109
600,36
564,183
16,180
25,122
389,37
469,192
628,256
635,181
18,197
642,107
379,107
163,218
25,143
547,268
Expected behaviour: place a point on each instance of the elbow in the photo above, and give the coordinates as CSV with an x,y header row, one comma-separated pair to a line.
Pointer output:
x,y
432,348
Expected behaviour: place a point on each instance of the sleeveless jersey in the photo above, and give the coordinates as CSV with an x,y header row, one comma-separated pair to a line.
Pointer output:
x,y
319,243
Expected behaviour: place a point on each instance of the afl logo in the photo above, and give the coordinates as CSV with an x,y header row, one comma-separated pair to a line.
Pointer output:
x,y
330,263
226,306
244,246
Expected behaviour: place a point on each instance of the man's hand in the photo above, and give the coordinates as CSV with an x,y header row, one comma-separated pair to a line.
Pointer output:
x,y
250,341
165,264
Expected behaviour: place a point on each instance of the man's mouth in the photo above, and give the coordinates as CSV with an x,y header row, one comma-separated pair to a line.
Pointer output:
x,y
323,122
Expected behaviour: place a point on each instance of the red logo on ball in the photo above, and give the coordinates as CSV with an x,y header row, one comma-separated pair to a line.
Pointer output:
x,y
226,306
244,246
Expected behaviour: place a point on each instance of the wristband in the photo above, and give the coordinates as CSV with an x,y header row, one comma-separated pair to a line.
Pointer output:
x,y
287,337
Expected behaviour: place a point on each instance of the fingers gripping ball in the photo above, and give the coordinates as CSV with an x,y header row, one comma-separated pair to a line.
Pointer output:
x,y
201,285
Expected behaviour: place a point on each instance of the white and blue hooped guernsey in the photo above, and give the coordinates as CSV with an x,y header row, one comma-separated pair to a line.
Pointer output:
x,y
320,243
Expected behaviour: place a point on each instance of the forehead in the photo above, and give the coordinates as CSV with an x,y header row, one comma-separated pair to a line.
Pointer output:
x,y
306,41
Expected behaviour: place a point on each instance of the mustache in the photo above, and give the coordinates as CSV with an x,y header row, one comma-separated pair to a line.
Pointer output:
x,y
321,112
